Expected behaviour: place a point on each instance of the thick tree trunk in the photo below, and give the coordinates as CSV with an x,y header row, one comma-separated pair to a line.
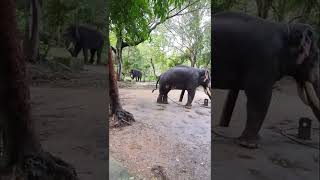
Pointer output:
x,y
22,156
121,116
192,60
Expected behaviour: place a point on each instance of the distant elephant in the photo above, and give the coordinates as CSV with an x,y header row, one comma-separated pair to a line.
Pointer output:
x,y
79,37
251,54
136,74
184,78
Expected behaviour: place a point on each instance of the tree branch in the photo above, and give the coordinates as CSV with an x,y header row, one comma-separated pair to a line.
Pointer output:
x,y
155,24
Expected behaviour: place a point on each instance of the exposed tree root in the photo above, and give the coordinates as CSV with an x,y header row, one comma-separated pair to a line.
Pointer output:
x,y
159,173
42,166
122,118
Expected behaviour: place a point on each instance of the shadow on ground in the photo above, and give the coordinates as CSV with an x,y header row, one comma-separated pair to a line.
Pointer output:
x,y
278,157
166,139
71,119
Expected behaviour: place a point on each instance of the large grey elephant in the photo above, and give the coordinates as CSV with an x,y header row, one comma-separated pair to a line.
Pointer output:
x,y
184,78
251,54
79,37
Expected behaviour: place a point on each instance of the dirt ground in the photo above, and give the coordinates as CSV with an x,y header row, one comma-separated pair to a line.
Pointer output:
x,y
167,137
71,117
278,158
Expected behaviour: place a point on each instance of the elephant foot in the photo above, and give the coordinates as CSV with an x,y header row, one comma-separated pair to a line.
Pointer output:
x,y
250,143
159,100
187,106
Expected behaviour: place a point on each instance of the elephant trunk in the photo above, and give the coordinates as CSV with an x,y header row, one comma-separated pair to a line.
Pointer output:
x,y
207,90
310,95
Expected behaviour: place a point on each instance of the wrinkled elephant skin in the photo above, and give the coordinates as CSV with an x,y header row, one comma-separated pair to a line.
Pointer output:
x,y
251,54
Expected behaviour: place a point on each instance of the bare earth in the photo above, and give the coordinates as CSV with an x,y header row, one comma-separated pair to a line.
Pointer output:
x,y
165,135
278,157
71,119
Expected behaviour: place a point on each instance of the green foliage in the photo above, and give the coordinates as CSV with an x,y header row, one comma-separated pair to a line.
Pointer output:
x,y
131,20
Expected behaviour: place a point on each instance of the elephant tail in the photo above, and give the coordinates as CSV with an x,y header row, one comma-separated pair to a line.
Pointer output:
x,y
156,84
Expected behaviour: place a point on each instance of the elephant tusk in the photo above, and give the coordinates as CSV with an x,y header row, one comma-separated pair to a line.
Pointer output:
x,y
312,96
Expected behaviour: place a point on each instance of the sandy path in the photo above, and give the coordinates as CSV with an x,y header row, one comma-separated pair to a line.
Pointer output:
x,y
278,158
71,124
171,136
71,119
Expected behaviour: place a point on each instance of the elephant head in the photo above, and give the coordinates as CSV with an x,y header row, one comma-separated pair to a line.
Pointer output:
x,y
305,53
205,81
72,37
131,74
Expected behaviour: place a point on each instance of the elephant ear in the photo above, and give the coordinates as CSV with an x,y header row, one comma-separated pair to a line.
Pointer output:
x,y
304,40
204,75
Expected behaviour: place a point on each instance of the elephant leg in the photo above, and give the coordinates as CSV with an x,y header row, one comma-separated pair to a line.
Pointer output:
x,y
161,94
191,94
159,99
258,102
76,51
165,98
228,107
181,95
85,54
165,95
92,53
99,52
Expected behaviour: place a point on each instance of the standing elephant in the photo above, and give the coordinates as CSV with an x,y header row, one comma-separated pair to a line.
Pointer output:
x,y
79,37
184,78
136,74
251,54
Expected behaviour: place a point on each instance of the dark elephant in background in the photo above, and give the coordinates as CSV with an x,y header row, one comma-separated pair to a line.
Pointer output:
x,y
184,78
251,54
136,74
79,37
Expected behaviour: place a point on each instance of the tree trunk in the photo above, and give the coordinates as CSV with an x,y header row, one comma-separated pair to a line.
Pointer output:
x,y
192,63
121,116
22,154
119,58
154,70
26,41
58,36
263,7
192,60
34,40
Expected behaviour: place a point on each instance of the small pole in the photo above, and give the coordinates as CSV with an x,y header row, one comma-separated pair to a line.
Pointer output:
x,y
206,102
304,131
